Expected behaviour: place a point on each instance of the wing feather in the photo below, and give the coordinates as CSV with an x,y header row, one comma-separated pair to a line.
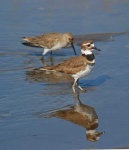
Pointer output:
x,y
70,66
45,40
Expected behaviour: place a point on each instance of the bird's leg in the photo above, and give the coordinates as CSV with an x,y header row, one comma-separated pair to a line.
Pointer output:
x,y
73,86
79,86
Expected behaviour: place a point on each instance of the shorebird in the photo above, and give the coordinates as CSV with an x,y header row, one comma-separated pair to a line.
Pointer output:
x,y
78,66
50,41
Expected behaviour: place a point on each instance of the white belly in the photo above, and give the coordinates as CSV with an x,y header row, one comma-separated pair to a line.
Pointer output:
x,y
56,47
84,72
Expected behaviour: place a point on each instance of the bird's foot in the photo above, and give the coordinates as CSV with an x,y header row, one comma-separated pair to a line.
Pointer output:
x,y
80,88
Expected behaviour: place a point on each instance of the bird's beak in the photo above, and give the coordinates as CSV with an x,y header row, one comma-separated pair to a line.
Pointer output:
x,y
101,133
73,48
95,48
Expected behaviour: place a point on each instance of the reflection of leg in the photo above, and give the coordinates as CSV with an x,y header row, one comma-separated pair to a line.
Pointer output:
x,y
79,86
51,58
43,61
51,54
76,97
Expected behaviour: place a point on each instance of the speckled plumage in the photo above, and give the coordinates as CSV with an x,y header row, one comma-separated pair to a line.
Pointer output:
x,y
78,66
70,66
50,41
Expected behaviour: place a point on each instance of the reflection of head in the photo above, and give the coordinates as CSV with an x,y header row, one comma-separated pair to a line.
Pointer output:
x,y
92,125
93,136
91,133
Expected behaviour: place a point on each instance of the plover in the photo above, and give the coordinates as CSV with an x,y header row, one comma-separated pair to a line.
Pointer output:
x,y
78,66
50,41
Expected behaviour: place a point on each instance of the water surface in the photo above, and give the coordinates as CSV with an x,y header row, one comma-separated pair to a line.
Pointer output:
x,y
31,102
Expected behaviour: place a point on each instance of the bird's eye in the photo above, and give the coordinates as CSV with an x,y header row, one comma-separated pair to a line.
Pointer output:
x,y
71,39
88,45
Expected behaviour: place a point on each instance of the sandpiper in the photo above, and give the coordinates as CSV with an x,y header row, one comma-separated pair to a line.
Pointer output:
x,y
78,66
50,41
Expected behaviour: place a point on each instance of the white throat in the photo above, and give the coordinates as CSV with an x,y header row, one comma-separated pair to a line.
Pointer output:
x,y
86,52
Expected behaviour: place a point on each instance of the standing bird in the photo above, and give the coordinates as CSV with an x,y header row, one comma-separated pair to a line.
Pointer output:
x,y
78,66
50,41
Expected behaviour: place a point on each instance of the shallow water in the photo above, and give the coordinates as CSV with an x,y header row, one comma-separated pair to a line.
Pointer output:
x,y
31,102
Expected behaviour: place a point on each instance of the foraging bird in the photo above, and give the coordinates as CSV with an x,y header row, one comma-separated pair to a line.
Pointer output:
x,y
78,66
50,41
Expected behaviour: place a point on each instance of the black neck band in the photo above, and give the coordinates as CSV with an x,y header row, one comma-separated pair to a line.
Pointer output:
x,y
89,57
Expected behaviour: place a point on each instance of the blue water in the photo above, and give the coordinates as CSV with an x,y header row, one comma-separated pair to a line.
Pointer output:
x,y
25,96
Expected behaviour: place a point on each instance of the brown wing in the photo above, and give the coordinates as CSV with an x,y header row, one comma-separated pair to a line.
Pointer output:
x,y
45,40
70,66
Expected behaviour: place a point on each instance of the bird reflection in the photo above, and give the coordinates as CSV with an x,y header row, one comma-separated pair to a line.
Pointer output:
x,y
48,76
45,63
64,81
80,114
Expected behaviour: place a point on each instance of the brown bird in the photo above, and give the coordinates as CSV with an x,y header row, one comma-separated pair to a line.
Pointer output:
x,y
78,66
50,41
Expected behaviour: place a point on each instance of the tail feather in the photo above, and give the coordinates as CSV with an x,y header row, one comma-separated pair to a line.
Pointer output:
x,y
29,41
25,39
29,44
49,68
